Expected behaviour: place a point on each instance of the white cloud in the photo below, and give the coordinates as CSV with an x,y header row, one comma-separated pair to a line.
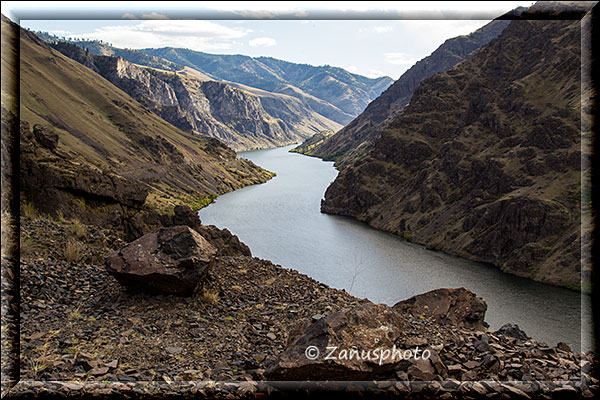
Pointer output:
x,y
262,42
351,68
193,34
398,58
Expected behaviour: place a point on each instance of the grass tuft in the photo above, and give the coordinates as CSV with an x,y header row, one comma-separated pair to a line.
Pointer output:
x,y
78,229
73,251
29,211
210,296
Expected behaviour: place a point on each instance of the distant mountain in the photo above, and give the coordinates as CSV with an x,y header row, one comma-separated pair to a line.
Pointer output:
x,y
358,136
104,49
197,104
347,92
241,116
485,162
90,151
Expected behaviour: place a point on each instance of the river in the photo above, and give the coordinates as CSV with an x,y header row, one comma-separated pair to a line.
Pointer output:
x,y
280,221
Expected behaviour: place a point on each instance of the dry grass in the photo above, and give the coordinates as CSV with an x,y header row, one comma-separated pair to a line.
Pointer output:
x,y
29,211
73,251
78,229
60,217
210,296
75,314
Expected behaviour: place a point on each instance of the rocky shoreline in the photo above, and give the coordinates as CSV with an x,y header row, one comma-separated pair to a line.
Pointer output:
x,y
82,333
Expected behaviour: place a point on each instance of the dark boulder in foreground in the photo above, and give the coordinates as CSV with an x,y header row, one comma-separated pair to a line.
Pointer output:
x,y
322,349
365,327
459,307
170,261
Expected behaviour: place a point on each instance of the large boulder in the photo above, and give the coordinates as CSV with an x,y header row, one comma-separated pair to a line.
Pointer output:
x,y
366,327
459,307
170,261
378,342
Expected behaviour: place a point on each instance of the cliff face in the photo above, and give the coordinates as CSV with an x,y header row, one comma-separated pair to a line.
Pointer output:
x,y
485,161
342,95
200,105
90,151
360,134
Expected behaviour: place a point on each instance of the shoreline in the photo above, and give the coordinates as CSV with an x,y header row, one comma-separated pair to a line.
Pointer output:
x,y
582,289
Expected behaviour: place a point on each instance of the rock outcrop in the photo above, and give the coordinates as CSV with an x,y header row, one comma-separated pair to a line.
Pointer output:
x,y
170,261
409,345
458,307
184,215
512,330
486,160
375,341
363,328
46,137
340,95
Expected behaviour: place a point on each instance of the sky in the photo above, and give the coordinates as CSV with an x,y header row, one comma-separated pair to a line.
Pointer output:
x,y
368,38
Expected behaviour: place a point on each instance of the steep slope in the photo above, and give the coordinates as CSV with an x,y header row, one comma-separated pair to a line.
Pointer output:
x,y
345,92
97,154
485,161
197,104
358,136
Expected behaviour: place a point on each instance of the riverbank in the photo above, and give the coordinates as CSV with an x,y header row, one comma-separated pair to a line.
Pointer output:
x,y
79,326
280,221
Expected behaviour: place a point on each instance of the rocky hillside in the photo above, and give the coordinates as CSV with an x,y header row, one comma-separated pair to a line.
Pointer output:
x,y
485,161
360,134
199,105
89,150
343,95
249,326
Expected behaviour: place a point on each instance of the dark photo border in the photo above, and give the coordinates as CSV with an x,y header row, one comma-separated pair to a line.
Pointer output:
x,y
14,387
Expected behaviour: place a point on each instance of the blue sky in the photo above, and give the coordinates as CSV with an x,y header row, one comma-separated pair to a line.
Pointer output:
x,y
374,45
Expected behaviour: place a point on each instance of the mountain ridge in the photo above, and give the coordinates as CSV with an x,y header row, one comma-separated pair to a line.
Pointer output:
x,y
484,162
199,105
356,138
268,73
